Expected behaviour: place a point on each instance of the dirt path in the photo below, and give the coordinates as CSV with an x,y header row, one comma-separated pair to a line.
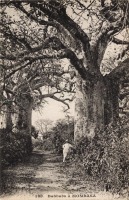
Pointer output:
x,y
41,177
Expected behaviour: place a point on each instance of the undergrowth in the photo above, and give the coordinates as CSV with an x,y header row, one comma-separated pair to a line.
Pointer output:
x,y
15,146
104,159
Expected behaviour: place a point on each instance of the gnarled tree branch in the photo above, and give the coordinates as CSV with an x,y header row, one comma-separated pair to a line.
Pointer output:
x,y
120,72
52,96
118,41
59,14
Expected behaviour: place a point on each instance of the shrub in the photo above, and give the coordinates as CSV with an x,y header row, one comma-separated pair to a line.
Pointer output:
x,y
105,157
60,132
47,144
34,132
16,146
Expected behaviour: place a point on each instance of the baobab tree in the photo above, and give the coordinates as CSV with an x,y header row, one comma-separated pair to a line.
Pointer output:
x,y
28,84
82,32
27,90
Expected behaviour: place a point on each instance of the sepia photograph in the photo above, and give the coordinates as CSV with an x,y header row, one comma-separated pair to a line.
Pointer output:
x,y
64,100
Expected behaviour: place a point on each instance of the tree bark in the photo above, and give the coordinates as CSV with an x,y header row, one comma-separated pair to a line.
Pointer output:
x,y
111,106
96,106
24,122
25,114
9,123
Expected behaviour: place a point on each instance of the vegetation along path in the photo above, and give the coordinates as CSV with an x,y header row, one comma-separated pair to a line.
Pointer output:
x,y
44,175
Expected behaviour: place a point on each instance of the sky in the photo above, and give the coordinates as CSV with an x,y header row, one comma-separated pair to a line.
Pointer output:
x,y
53,110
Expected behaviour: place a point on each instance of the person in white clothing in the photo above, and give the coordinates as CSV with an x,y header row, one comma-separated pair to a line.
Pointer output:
x,y
66,149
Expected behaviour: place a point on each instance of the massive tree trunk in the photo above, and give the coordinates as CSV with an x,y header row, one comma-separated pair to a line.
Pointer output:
x,y
111,105
96,105
25,114
24,122
89,107
9,111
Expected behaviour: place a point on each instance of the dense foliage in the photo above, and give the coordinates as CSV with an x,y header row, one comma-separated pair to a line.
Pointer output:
x,y
54,138
105,158
16,146
62,130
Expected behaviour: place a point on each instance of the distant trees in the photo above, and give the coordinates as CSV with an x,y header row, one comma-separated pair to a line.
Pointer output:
x,y
44,125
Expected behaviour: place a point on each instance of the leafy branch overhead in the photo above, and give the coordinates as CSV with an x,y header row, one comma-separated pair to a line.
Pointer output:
x,y
80,31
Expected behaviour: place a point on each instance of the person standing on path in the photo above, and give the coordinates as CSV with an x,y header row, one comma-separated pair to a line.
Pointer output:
x,y
66,149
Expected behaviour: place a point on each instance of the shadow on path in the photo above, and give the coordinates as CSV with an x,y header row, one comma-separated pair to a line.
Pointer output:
x,y
39,173
43,173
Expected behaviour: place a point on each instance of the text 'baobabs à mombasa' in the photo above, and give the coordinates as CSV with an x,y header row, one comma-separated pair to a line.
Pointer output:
x,y
65,195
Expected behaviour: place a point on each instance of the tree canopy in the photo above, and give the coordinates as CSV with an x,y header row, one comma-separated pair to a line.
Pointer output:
x,y
37,35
